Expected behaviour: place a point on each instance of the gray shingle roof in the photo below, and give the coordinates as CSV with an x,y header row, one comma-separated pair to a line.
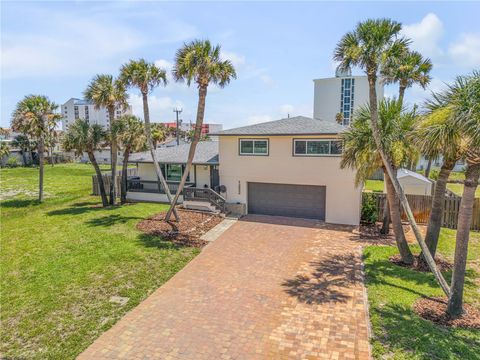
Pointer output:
x,y
205,153
298,125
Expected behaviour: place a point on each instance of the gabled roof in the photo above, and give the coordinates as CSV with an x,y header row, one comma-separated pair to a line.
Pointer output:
x,y
401,173
206,153
298,125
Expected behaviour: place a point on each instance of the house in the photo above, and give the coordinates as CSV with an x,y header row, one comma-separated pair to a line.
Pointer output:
x,y
288,167
413,183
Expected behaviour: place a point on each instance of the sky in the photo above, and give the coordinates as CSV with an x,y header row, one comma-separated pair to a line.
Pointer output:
x,y
55,48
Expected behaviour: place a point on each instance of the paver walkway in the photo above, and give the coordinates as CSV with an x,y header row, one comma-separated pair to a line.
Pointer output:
x,y
268,288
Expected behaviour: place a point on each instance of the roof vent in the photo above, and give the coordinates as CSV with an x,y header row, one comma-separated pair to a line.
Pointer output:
x,y
343,72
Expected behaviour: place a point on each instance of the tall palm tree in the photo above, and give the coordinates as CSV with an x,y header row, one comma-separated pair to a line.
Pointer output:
x,y
368,46
147,76
159,133
130,135
407,69
105,91
360,153
437,135
34,116
199,62
81,137
465,95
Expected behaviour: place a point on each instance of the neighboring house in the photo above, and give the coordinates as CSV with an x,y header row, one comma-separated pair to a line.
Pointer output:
x,y
288,167
342,94
83,109
204,173
413,183
102,156
437,163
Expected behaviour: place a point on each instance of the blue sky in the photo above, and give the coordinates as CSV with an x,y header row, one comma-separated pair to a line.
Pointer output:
x,y
55,48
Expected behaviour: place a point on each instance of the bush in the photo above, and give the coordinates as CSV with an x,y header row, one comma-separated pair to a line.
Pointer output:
x,y
369,208
12,162
434,174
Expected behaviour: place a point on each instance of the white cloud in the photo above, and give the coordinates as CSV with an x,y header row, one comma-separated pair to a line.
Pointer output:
x,y
160,107
425,35
237,60
164,64
255,119
466,52
286,110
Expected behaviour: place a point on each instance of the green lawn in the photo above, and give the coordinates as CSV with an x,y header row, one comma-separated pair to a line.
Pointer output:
x,y
398,332
63,260
374,185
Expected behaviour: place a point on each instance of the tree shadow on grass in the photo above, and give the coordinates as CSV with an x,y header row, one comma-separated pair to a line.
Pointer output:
x,y
405,332
76,210
19,203
154,241
110,220
325,281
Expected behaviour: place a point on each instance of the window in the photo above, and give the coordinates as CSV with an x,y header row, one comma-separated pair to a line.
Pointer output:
x,y
173,172
76,112
346,99
254,147
316,147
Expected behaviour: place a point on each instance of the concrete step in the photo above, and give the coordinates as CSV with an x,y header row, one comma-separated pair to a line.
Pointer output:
x,y
200,205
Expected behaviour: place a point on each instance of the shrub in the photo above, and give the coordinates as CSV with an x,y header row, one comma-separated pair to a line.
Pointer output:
x,y
12,162
369,208
434,174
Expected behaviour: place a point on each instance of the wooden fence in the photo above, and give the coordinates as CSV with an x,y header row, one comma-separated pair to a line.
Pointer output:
x,y
106,181
422,204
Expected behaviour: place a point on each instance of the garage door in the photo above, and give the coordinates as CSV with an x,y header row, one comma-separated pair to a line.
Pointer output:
x,y
303,201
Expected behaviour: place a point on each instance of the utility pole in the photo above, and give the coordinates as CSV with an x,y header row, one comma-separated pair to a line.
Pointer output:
x,y
178,111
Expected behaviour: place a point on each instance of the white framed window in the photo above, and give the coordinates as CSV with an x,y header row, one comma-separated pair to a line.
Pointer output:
x,y
317,147
255,147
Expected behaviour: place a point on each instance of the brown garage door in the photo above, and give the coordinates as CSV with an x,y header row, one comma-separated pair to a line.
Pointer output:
x,y
303,201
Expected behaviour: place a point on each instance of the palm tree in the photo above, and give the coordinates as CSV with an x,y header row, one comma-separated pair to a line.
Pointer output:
x,y
199,62
130,135
81,137
147,76
465,95
407,69
368,46
360,153
437,135
22,142
159,133
105,91
34,116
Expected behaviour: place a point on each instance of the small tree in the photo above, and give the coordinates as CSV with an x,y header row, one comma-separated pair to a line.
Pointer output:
x,y
81,137
130,134
34,116
105,91
199,62
159,134
23,143
4,150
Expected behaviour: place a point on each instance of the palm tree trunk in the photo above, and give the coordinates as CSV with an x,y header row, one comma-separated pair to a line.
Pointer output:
x,y
401,93
429,167
202,95
161,179
386,217
24,157
372,78
41,159
455,301
435,219
396,216
113,157
101,185
123,191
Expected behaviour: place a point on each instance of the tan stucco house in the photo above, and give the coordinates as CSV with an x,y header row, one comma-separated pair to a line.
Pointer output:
x,y
289,167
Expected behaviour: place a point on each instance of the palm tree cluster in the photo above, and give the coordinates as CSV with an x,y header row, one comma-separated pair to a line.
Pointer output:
x,y
387,135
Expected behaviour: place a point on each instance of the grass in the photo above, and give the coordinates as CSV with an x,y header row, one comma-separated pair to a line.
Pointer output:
x,y
398,332
64,259
374,185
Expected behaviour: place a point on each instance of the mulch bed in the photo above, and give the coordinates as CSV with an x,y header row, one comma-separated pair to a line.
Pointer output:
x,y
442,263
434,309
186,232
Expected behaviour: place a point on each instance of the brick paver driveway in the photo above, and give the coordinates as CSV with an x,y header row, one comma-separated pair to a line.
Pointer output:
x,y
268,288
